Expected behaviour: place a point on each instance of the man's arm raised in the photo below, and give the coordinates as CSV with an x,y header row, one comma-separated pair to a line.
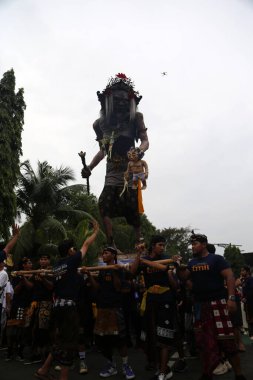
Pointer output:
x,y
90,239
12,242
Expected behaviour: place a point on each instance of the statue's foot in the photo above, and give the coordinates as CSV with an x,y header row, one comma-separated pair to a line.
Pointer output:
x,y
140,244
111,243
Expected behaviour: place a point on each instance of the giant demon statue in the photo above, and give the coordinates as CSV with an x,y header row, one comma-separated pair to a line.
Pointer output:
x,y
120,125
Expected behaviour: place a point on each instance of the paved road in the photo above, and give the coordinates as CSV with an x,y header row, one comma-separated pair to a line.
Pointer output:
x,y
18,371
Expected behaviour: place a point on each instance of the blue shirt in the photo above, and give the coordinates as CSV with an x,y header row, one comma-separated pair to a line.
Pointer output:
x,y
207,280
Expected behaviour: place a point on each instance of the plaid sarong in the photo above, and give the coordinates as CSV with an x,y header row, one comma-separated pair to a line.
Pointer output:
x,y
223,323
213,332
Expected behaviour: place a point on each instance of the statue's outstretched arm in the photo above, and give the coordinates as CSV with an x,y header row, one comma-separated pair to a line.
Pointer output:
x,y
96,159
142,132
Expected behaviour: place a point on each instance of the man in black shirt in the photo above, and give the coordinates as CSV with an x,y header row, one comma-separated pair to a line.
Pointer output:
x,y
158,306
65,314
213,328
40,312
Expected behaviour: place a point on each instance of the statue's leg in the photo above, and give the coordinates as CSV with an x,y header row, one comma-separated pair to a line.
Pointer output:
x,y
105,204
108,229
135,184
144,184
137,231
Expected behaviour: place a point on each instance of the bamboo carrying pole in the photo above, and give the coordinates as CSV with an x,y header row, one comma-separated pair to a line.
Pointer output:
x,y
50,272
116,266
45,272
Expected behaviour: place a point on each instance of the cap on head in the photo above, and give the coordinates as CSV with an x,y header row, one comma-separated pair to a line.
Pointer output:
x,y
198,237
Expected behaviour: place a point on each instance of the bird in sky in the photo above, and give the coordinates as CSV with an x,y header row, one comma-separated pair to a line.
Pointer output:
x,y
164,73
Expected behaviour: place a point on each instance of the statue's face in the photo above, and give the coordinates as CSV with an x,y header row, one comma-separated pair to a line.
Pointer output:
x,y
120,101
133,155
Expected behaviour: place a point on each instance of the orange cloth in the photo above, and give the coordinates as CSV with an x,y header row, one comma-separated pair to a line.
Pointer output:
x,y
140,204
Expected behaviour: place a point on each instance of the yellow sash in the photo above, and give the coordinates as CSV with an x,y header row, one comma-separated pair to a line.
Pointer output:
x,y
155,289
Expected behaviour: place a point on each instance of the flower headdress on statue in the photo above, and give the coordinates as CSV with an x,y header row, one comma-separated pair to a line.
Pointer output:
x,y
119,82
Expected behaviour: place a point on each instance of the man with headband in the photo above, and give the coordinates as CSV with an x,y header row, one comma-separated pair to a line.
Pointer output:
x,y
158,306
212,305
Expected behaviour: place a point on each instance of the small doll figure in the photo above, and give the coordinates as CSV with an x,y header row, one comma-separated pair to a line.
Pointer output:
x,y
137,167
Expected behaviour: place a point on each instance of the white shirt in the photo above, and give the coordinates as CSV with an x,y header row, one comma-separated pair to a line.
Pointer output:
x,y
3,282
8,289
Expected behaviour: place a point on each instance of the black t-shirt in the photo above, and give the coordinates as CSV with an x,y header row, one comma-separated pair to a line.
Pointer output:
x,y
67,281
23,298
40,291
107,295
153,276
207,281
85,295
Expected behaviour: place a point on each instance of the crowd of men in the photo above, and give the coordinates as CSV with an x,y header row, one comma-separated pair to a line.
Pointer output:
x,y
156,301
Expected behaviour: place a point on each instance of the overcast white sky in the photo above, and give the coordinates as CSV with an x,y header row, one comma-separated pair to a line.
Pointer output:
x,y
199,117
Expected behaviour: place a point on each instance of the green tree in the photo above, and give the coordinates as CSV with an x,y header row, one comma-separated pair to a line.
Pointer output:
x,y
12,108
233,255
43,196
178,241
77,198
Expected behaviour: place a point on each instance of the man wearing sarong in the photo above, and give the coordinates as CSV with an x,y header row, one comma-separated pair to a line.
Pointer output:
x,y
17,323
39,312
158,307
65,314
212,305
110,326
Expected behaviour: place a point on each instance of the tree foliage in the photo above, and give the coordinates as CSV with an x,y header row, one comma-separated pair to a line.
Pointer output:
x,y
177,241
12,108
124,234
235,258
44,197
39,193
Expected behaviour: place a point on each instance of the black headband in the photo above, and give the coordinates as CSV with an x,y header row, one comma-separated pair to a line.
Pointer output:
x,y
110,249
199,237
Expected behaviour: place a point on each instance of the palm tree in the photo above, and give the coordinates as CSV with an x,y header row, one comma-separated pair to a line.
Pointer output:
x,y
43,197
